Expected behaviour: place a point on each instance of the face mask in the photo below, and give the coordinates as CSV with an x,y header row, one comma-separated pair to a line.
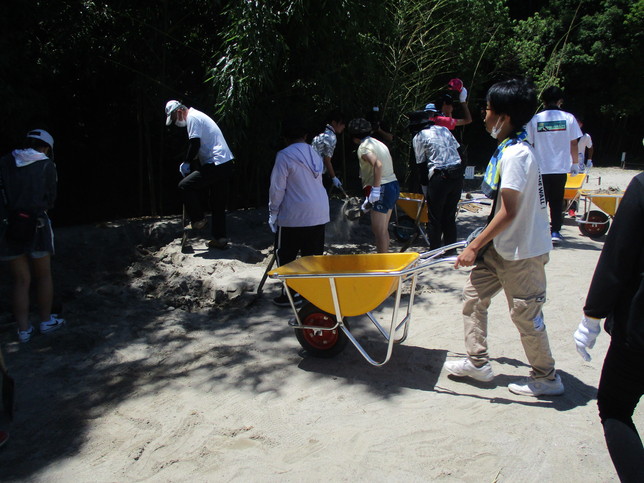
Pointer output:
x,y
179,123
496,130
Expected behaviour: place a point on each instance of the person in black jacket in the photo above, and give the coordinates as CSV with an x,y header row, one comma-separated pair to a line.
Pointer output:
x,y
29,177
617,294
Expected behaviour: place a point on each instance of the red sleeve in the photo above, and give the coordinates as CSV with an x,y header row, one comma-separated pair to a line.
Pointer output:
x,y
448,122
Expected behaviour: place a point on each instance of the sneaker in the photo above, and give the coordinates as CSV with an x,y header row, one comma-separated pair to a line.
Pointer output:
x,y
556,237
25,335
54,323
198,225
465,368
282,300
538,387
220,243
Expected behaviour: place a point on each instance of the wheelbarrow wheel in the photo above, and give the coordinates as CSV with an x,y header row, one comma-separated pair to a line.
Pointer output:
x,y
404,228
594,224
320,343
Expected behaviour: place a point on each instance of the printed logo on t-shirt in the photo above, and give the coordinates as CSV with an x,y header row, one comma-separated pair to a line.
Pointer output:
x,y
550,126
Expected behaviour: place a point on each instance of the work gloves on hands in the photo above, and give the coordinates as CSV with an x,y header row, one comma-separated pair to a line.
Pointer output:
x,y
374,195
336,182
184,169
272,223
586,335
462,95
574,169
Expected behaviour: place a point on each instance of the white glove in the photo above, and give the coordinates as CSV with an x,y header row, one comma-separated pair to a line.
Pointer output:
x,y
184,169
336,182
589,163
586,334
366,206
462,96
272,223
374,195
423,188
574,169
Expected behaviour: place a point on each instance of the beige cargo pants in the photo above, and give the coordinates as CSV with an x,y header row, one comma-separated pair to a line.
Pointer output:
x,y
524,284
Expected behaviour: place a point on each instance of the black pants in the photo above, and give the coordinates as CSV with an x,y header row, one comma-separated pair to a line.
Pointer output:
x,y
216,180
620,388
443,195
554,186
305,240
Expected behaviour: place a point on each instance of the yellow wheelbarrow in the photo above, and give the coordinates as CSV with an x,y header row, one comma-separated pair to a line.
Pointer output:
x,y
595,223
412,223
572,189
340,286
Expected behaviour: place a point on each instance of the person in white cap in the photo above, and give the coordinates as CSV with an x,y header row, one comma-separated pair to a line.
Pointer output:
x,y
29,180
207,143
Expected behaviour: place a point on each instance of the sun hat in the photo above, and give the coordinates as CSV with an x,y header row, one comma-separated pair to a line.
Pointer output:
x,y
42,135
170,107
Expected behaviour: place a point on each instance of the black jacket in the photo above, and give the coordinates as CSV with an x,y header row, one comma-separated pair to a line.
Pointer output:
x,y
617,289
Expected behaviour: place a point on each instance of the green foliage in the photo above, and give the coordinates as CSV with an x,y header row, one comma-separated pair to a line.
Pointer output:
x,y
97,74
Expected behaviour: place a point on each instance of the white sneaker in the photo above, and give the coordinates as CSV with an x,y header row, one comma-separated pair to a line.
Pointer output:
x,y
465,368
25,335
54,323
538,387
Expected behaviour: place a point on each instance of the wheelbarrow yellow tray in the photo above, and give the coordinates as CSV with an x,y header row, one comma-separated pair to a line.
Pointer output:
x,y
594,223
340,286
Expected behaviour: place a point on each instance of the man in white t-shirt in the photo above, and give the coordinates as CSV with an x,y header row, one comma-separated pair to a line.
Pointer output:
x,y
554,134
511,252
584,149
207,143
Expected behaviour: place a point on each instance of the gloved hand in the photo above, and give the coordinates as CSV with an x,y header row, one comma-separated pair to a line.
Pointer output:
x,y
574,169
462,96
589,163
423,188
272,222
184,169
336,182
366,206
586,334
374,195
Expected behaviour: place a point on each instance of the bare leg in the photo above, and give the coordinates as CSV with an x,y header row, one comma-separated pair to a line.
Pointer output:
x,y
380,228
44,286
21,275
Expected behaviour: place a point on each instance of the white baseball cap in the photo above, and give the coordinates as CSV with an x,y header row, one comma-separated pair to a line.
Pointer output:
x,y
42,135
170,107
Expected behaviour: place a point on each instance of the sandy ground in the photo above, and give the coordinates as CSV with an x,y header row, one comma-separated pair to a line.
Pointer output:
x,y
171,368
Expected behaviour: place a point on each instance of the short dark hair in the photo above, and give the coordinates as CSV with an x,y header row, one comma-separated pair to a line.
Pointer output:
x,y
515,98
294,127
33,143
335,115
551,95
443,99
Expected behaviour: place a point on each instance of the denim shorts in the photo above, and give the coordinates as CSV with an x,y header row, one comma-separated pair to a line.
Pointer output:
x,y
9,258
389,194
